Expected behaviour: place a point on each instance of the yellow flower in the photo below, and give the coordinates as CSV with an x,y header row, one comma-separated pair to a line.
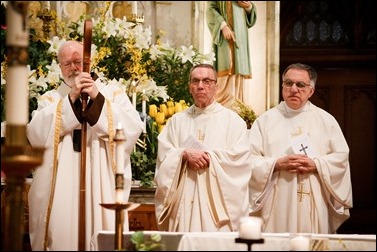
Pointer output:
x,y
244,111
170,111
152,110
103,52
163,108
160,118
170,103
178,107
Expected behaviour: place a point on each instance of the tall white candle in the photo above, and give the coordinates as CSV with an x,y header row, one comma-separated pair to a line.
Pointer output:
x,y
134,7
120,149
250,228
119,195
144,111
120,152
17,91
133,85
144,104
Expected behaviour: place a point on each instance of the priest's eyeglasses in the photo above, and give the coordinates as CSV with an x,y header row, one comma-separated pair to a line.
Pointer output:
x,y
299,84
68,64
205,82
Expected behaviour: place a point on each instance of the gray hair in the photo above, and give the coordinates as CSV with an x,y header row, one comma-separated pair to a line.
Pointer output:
x,y
311,71
69,43
204,65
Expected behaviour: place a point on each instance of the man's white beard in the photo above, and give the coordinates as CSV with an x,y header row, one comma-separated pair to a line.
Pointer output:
x,y
71,79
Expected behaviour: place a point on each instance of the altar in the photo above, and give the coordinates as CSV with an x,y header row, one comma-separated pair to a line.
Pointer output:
x,y
217,241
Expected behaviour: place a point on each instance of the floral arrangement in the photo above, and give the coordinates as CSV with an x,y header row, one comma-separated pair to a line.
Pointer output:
x,y
158,118
122,54
245,112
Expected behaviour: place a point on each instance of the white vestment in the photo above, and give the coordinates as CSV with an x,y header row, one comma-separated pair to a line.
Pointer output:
x,y
54,193
306,203
213,199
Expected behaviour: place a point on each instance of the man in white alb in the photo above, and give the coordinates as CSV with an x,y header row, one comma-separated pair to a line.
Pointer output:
x,y
301,176
56,126
203,169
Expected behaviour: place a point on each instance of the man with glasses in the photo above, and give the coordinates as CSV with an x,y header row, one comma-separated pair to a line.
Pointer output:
x,y
300,181
202,170
56,126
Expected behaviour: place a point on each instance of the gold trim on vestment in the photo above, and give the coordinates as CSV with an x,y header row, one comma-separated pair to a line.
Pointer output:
x,y
58,122
111,134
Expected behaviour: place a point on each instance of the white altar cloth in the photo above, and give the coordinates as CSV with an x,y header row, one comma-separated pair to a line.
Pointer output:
x,y
272,242
219,241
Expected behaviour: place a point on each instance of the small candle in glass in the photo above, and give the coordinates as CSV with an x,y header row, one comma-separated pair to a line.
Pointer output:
x,y
250,228
299,242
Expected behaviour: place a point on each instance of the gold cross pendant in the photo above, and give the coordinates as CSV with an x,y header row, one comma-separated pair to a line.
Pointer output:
x,y
200,136
297,132
301,193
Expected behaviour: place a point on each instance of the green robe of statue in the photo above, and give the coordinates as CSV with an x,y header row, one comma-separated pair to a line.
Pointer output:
x,y
231,58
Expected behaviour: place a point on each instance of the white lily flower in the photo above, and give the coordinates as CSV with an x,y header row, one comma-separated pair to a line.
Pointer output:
x,y
55,43
186,54
155,52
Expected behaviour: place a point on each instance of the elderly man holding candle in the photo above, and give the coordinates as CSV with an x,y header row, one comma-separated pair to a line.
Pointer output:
x,y
56,126
203,169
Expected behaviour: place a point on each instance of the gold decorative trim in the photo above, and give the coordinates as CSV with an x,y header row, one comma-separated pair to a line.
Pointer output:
x,y
111,134
58,123
15,135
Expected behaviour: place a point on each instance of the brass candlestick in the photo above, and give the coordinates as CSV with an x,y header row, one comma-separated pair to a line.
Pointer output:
x,y
119,220
119,206
142,142
138,19
18,158
17,161
47,18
